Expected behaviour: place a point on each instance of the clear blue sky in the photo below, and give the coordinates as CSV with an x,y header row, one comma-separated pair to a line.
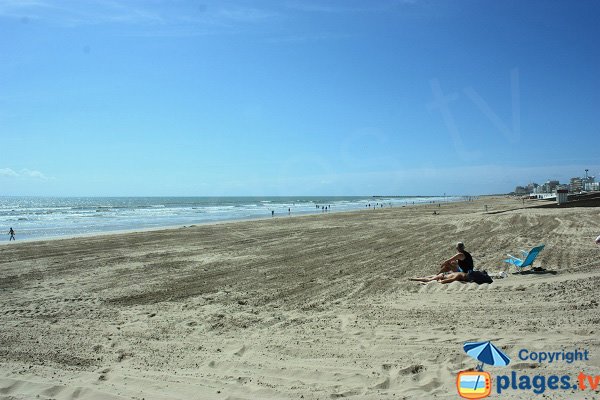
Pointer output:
x,y
296,97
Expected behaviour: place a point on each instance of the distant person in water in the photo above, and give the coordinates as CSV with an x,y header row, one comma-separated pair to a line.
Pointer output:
x,y
11,232
460,262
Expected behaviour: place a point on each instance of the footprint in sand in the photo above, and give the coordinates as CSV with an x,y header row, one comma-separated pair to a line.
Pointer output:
x,y
104,374
348,393
344,321
412,370
241,351
383,385
122,355
525,366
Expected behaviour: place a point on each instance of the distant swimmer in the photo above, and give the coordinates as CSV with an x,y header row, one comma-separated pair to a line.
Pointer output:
x,y
11,232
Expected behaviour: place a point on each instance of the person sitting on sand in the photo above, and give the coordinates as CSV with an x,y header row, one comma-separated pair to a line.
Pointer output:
x,y
460,262
444,277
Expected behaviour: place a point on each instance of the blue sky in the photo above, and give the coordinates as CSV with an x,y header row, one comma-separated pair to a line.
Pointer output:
x,y
215,98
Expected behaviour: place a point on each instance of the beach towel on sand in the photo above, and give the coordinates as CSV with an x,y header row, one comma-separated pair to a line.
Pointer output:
x,y
479,277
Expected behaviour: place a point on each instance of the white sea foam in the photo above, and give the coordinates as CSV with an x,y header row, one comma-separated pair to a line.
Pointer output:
x,y
39,217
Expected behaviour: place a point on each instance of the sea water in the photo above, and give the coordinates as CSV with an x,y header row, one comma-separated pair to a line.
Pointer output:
x,y
45,217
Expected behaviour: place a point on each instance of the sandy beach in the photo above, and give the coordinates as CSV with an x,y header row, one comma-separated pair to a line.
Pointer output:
x,y
312,307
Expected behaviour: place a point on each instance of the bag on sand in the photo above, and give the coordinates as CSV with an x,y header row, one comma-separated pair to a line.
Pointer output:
x,y
479,277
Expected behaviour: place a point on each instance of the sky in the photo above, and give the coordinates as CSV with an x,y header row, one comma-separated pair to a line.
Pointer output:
x,y
296,97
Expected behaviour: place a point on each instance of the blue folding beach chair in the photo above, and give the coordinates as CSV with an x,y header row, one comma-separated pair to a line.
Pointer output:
x,y
528,258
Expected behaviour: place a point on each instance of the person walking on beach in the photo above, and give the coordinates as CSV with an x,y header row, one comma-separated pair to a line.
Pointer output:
x,y
460,262
11,232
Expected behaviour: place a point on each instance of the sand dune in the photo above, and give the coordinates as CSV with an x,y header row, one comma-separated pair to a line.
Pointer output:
x,y
314,307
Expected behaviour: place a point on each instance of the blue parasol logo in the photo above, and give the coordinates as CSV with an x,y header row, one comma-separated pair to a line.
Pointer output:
x,y
477,385
487,353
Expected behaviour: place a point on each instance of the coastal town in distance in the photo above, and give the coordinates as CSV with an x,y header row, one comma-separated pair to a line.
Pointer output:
x,y
550,189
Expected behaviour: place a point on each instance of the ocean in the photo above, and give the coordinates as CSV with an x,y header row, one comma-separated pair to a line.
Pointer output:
x,y
49,217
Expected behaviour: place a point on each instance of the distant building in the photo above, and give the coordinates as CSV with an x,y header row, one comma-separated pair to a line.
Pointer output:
x,y
576,185
552,185
521,190
590,184
548,187
531,187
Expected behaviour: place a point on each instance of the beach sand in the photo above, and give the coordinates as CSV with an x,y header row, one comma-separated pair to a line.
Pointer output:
x,y
313,307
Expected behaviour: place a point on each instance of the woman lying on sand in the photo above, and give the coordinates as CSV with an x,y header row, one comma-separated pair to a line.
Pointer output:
x,y
444,277
478,277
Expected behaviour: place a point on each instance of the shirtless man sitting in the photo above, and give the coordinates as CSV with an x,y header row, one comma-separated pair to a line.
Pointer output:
x,y
460,262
